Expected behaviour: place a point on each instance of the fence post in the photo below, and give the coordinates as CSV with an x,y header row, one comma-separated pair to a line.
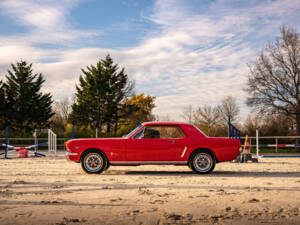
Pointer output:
x,y
276,142
250,140
257,144
228,130
6,142
35,140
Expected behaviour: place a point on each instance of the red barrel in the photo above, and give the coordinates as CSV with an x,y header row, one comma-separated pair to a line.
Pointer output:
x,y
23,153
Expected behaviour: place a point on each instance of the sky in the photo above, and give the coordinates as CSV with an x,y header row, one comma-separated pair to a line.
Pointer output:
x,y
184,52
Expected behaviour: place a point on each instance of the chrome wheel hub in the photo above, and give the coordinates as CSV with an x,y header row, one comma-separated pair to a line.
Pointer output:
x,y
202,162
93,162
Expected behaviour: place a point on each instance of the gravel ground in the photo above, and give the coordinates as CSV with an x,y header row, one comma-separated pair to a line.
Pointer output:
x,y
52,190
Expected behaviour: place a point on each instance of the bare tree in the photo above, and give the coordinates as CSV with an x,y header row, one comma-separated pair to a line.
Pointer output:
x,y
251,124
165,118
207,118
187,114
270,125
62,110
277,124
228,110
274,78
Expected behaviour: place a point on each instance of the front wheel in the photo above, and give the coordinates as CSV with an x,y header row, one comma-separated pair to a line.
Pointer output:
x,y
202,162
107,166
93,162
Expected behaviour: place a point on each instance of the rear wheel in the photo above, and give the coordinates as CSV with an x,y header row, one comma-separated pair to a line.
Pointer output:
x,y
93,162
203,162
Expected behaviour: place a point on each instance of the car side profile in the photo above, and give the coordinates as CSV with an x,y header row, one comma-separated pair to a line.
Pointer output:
x,y
154,143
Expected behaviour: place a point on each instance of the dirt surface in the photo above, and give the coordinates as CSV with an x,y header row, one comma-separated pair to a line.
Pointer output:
x,y
56,191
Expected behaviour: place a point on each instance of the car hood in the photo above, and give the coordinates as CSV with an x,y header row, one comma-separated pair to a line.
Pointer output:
x,y
90,141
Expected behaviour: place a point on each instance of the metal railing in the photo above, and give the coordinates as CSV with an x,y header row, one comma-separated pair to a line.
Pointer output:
x,y
263,140
22,142
272,141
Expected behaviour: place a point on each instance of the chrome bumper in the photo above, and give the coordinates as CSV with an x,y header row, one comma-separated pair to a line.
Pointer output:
x,y
71,153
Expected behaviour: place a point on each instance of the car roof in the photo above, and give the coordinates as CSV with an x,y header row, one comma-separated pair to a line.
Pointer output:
x,y
164,123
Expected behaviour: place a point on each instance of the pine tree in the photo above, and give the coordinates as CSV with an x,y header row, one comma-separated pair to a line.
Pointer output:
x,y
27,107
100,94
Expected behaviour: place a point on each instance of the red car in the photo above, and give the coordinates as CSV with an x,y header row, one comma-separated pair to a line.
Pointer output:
x,y
155,143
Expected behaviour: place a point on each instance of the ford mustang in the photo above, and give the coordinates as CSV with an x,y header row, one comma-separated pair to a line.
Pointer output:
x,y
154,143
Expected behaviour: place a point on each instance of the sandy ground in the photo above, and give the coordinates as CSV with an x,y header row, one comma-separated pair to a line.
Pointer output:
x,y
56,191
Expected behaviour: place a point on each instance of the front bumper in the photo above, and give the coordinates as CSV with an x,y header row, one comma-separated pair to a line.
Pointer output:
x,y
71,153
72,156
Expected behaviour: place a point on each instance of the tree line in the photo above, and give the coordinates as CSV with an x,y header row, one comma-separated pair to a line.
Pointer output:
x,y
104,100
213,120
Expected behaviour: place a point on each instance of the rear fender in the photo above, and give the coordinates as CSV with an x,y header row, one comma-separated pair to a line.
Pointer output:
x,y
203,150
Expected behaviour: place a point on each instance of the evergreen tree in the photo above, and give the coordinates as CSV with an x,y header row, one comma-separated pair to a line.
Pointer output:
x,y
100,94
27,107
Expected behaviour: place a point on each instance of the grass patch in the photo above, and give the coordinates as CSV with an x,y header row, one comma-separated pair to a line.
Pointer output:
x,y
273,151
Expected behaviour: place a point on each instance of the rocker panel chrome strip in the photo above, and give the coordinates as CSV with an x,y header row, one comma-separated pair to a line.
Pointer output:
x,y
149,162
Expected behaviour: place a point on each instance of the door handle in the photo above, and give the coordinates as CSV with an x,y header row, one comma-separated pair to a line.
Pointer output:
x,y
172,141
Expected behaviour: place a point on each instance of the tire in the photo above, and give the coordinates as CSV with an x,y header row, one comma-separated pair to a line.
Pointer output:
x,y
202,162
107,166
93,162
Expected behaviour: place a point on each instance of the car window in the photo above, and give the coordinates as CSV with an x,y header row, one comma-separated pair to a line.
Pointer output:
x,y
160,132
140,134
134,130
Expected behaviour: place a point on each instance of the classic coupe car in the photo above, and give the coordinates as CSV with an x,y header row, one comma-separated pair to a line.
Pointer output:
x,y
155,143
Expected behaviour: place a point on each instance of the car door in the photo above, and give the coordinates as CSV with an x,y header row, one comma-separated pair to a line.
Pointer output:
x,y
153,143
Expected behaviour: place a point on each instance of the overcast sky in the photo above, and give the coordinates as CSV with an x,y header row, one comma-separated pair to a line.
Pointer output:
x,y
183,52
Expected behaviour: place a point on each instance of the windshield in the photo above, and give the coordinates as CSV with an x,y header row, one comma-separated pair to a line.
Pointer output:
x,y
135,129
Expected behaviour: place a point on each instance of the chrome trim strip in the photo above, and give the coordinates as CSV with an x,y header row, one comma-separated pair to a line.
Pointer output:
x,y
71,153
184,150
148,162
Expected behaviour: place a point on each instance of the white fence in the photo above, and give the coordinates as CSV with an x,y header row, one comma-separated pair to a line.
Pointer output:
x,y
38,143
52,145
273,141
